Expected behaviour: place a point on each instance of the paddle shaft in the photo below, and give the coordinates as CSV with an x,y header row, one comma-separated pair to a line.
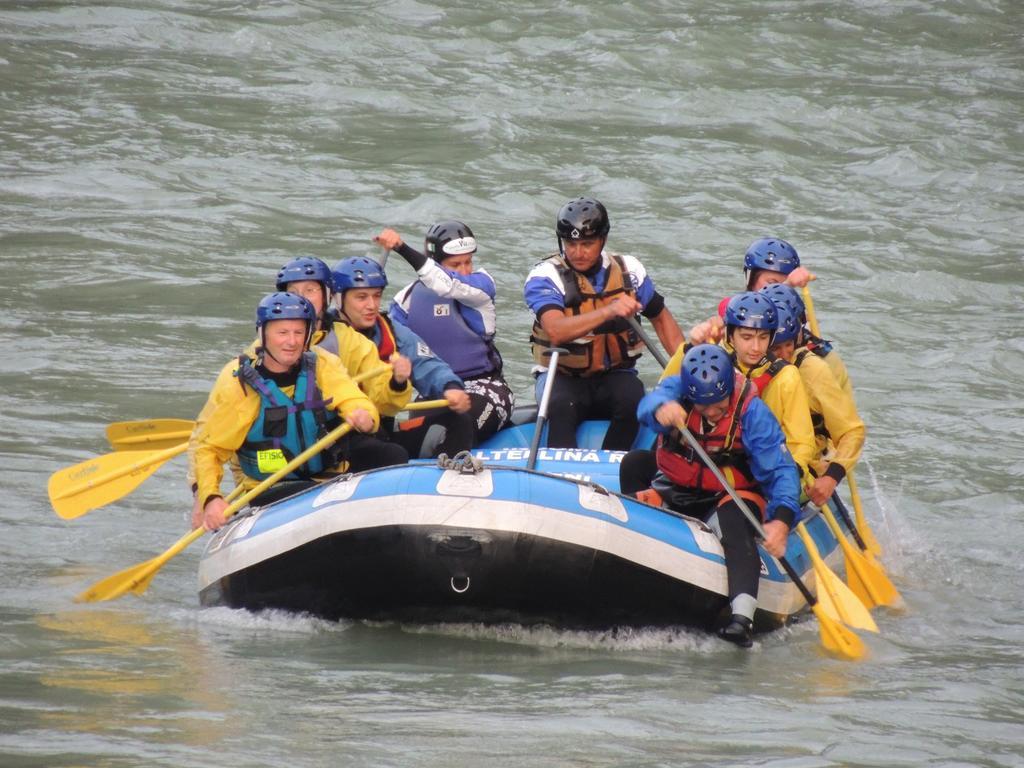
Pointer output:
x,y
845,514
137,578
542,409
639,331
812,318
742,504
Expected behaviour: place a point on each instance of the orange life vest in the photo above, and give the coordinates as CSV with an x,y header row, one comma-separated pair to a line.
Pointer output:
x,y
613,340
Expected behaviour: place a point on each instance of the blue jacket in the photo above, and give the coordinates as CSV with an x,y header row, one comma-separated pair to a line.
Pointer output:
x,y
431,375
763,441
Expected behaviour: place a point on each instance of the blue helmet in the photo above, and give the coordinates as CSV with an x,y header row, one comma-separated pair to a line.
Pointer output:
x,y
752,310
707,374
771,254
358,272
789,323
304,268
285,306
780,293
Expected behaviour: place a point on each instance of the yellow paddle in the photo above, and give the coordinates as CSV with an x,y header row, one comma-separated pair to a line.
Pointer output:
x,y
886,589
149,434
97,482
426,405
862,524
90,484
152,434
834,636
867,580
870,542
137,578
851,609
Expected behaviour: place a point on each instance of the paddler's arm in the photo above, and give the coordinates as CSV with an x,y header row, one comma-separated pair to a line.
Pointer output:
x,y
473,290
668,330
843,423
775,471
230,414
660,408
562,328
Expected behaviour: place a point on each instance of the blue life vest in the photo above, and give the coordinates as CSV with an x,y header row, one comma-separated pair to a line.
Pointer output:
x,y
439,322
285,426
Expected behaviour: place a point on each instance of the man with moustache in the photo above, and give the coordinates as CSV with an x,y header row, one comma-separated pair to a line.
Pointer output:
x,y
581,299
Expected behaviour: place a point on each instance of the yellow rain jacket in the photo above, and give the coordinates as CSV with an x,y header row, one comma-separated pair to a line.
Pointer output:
x,y
838,428
358,355
231,411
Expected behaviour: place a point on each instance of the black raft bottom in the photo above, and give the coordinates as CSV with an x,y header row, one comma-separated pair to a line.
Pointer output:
x,y
428,574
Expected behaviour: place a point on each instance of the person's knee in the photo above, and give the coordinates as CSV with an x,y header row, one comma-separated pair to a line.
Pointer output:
x,y
628,391
391,453
637,471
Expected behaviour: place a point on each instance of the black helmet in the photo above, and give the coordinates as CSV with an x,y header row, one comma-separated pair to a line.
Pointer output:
x,y
582,218
449,238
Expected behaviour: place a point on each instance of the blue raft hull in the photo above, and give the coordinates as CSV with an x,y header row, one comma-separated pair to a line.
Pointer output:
x,y
419,543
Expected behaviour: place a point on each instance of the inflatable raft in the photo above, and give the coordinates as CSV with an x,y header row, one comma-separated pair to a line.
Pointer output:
x,y
483,539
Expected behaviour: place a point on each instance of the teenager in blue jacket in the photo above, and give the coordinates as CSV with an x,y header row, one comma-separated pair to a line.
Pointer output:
x,y
722,411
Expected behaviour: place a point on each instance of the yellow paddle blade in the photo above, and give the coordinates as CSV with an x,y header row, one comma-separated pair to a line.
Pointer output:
x,y
865,576
851,610
149,434
90,484
836,638
137,578
857,569
826,602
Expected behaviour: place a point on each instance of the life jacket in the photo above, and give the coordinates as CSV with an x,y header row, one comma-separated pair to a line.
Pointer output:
x,y
285,426
613,341
387,345
439,322
819,346
724,444
770,371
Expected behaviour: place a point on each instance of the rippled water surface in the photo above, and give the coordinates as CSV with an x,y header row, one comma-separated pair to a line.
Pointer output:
x,y
159,161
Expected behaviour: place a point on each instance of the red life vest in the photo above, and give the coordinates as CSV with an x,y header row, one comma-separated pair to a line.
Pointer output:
x,y
763,379
724,444
387,345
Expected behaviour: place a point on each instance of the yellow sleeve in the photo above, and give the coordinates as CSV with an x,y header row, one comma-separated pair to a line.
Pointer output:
x,y
335,383
787,399
230,413
193,441
839,373
844,425
675,363
358,355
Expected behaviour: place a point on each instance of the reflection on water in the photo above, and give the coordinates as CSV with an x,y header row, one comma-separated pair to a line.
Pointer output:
x,y
119,673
